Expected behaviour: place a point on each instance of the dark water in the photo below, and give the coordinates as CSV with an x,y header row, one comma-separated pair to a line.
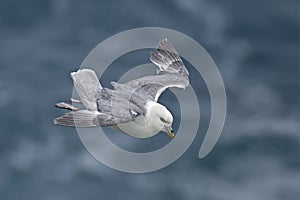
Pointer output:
x,y
255,45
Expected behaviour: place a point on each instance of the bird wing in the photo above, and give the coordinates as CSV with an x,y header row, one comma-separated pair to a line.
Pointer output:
x,y
122,104
171,72
86,84
86,118
113,107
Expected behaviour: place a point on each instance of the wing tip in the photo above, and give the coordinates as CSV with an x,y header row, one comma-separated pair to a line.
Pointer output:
x,y
164,40
81,119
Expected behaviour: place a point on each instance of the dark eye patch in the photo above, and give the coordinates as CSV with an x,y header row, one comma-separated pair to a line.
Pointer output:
x,y
163,120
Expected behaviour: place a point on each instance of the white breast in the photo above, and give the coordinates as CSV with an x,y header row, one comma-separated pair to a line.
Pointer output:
x,y
145,126
140,128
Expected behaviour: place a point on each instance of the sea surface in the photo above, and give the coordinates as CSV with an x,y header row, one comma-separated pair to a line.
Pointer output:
x,y
255,45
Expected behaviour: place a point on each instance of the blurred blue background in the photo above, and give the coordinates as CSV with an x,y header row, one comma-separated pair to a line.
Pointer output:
x,y
255,44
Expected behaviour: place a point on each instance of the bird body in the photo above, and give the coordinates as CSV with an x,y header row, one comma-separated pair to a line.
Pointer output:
x,y
130,107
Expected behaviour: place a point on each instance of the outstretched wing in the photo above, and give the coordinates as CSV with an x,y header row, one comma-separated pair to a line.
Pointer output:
x,y
87,84
171,72
113,107
86,118
168,60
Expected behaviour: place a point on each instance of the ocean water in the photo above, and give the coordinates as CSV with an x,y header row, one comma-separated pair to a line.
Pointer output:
x,y
255,44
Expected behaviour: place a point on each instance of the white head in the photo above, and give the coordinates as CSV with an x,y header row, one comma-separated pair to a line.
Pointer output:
x,y
160,118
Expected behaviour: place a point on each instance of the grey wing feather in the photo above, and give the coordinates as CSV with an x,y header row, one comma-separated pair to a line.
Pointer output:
x,y
153,86
81,118
123,103
171,72
168,60
113,107
86,84
85,118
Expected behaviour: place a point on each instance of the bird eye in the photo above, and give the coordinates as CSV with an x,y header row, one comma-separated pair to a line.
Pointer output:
x,y
163,120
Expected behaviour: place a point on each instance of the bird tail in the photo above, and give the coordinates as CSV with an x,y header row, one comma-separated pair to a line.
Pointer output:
x,y
86,84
